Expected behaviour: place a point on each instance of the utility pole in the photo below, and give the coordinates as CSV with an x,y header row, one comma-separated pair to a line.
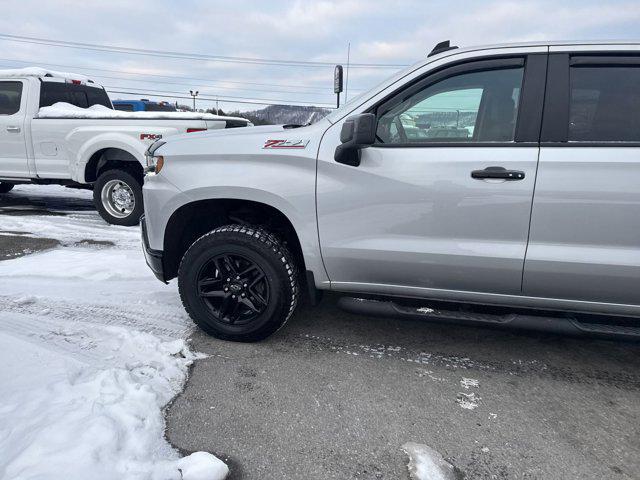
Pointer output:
x,y
194,95
346,85
217,109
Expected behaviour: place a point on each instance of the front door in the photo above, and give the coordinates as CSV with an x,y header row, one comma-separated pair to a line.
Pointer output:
x,y
585,224
443,199
13,146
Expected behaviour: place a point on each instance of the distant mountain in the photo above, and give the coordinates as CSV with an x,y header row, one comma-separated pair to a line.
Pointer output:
x,y
283,114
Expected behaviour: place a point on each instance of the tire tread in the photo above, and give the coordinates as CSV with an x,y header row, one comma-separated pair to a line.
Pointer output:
x,y
268,240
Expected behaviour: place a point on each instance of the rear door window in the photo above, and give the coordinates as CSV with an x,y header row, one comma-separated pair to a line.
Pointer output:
x,y
10,97
604,104
82,96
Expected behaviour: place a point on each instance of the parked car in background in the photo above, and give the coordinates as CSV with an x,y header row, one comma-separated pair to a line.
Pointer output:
x,y
58,128
435,226
143,105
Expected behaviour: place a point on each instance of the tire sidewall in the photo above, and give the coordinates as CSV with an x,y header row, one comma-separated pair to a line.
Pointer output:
x,y
136,188
280,294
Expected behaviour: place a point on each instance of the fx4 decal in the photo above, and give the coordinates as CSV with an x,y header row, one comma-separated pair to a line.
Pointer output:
x,y
297,143
150,136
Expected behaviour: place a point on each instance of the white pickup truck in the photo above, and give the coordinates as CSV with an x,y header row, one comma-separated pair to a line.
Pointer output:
x,y
58,128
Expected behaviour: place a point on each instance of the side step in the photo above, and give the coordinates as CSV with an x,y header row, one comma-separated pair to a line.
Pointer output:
x,y
555,322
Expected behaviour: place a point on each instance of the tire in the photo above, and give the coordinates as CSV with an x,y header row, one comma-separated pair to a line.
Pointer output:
x,y
126,207
207,269
6,187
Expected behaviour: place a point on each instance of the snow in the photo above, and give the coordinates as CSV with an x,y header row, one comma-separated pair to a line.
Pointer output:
x,y
66,110
469,383
468,401
92,349
40,72
427,464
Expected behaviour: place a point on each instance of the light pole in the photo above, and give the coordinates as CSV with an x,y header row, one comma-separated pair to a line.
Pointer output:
x,y
194,95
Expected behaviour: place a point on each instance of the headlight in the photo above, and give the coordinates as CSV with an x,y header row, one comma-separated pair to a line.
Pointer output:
x,y
154,163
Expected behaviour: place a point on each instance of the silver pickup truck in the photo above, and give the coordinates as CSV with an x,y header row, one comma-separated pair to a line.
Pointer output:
x,y
492,185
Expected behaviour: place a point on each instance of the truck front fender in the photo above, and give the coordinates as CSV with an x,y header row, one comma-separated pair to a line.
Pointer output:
x,y
301,215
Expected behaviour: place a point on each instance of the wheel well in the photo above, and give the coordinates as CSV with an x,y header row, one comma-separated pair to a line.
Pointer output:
x,y
110,159
193,220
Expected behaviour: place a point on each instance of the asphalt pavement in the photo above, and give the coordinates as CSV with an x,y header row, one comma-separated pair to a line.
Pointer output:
x,y
336,395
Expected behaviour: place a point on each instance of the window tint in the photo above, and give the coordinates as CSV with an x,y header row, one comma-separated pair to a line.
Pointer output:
x,y
471,107
81,96
159,107
126,107
605,104
10,96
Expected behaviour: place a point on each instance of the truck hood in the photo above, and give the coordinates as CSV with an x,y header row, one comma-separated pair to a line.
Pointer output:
x,y
243,140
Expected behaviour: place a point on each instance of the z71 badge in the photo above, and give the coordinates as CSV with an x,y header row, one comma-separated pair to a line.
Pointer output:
x,y
286,143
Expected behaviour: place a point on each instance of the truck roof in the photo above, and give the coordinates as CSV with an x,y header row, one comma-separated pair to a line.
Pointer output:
x,y
555,43
42,73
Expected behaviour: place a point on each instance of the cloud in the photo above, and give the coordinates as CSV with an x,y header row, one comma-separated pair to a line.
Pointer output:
x,y
310,19
392,31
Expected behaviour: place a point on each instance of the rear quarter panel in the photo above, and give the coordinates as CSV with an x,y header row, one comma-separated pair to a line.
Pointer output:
x,y
63,146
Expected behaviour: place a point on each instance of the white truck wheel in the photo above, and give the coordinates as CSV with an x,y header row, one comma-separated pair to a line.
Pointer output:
x,y
117,195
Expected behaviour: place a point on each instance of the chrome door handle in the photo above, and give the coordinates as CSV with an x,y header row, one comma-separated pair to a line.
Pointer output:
x,y
13,129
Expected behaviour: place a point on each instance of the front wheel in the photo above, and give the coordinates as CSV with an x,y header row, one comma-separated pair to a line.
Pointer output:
x,y
117,195
238,283
6,187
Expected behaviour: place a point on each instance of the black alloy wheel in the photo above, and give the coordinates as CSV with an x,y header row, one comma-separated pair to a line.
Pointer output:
x,y
234,288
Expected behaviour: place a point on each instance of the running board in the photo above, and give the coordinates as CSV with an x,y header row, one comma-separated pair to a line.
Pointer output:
x,y
564,324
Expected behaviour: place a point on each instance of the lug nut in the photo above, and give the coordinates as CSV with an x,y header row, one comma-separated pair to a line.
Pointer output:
x,y
243,295
233,296
245,285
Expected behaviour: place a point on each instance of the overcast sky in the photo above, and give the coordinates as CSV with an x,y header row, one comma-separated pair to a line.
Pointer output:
x,y
380,32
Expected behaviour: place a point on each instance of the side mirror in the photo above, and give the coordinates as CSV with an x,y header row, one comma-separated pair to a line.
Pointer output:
x,y
358,132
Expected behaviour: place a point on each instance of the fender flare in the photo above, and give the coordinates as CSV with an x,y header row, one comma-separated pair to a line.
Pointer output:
x,y
102,142
305,227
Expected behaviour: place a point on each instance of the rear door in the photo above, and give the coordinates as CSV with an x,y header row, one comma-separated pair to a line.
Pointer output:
x,y
585,226
13,146
417,212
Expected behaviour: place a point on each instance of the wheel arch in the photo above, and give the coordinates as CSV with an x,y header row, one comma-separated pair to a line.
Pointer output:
x,y
118,146
194,219
111,158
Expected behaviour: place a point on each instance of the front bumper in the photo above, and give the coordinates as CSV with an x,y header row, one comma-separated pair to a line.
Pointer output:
x,y
152,257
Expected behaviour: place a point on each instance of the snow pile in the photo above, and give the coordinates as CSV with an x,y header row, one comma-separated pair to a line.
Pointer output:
x,y
91,351
89,421
40,72
427,464
66,110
